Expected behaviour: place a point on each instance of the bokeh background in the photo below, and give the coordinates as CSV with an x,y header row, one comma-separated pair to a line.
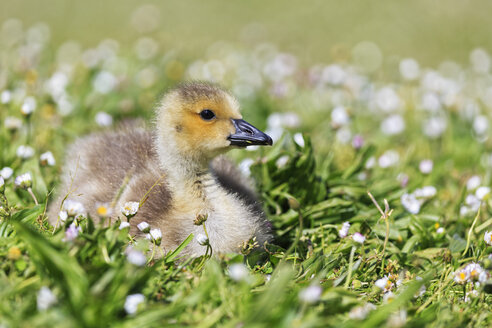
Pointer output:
x,y
427,30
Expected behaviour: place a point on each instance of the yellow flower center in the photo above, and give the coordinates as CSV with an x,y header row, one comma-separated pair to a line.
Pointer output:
x,y
13,253
102,210
462,276
436,225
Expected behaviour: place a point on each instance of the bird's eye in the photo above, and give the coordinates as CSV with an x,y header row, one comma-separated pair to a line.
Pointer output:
x,y
207,115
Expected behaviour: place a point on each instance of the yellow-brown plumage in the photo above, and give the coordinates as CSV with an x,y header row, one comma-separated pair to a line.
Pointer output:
x,y
179,154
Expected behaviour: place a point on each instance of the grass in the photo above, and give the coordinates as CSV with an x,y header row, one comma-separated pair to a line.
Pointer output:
x,y
310,184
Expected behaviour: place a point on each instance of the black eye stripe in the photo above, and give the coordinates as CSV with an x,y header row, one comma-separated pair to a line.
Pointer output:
x,y
207,114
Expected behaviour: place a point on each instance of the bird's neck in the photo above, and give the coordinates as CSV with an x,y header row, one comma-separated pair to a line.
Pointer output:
x,y
187,176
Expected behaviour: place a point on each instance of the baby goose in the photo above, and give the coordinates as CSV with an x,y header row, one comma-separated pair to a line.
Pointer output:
x,y
195,123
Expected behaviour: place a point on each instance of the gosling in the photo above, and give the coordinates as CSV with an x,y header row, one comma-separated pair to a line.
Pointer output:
x,y
195,123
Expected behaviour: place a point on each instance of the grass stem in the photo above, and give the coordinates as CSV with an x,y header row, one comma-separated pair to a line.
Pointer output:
x,y
468,239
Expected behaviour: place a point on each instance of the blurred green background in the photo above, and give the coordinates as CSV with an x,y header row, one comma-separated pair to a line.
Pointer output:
x,y
428,30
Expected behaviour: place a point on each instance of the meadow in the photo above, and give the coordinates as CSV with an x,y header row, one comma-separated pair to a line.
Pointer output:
x,y
377,185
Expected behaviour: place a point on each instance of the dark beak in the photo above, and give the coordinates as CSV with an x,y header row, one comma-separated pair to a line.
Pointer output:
x,y
248,135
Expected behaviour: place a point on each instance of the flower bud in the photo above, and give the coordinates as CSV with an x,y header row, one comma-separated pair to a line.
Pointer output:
x,y
293,203
202,240
200,219
144,227
156,235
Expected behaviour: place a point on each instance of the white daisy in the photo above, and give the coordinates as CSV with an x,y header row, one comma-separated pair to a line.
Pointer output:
x,y
73,208
426,166
103,119
24,152
474,270
384,284
129,209
6,172
482,193
45,299
23,181
461,276
132,302
310,294
358,238
238,272
135,257
487,237
410,203
47,158
12,123
343,232
473,183
28,106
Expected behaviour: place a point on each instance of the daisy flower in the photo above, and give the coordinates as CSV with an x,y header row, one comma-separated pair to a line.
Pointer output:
x,y
410,203
12,123
482,193
28,106
132,302
47,159
6,172
23,181
73,208
358,238
238,272
103,210
343,232
384,284
45,299
310,294
25,152
130,209
474,270
103,119
135,257
461,276
487,237
426,166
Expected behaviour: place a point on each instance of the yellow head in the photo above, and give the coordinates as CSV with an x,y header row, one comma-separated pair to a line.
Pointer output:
x,y
201,120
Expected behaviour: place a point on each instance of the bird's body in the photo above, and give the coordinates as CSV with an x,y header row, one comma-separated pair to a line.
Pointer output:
x,y
172,168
